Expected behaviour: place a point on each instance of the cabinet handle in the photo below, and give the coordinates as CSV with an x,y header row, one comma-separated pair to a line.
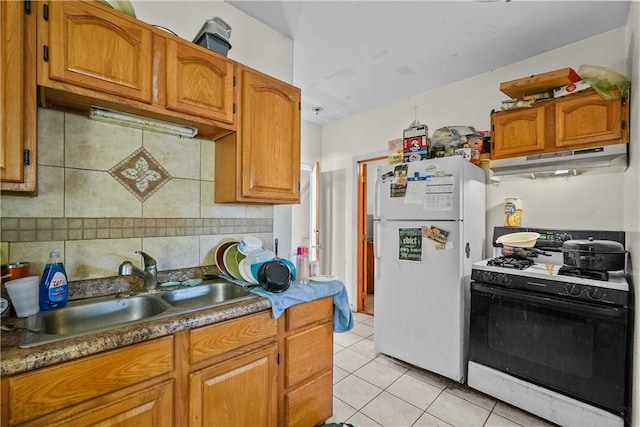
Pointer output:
x,y
27,7
45,12
45,53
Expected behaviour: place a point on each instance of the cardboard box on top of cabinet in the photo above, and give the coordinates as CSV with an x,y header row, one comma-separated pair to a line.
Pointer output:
x,y
571,88
537,83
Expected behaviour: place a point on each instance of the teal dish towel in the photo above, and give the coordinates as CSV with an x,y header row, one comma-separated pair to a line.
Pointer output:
x,y
297,293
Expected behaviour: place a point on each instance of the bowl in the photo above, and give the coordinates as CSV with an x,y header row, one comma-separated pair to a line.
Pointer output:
x,y
524,239
603,80
250,244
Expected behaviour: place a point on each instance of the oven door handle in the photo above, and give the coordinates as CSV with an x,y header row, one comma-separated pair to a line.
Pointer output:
x,y
569,306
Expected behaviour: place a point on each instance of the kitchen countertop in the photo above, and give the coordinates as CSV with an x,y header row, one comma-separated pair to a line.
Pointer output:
x,y
15,360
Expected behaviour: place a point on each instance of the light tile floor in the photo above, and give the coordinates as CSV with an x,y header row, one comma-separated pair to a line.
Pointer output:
x,y
371,389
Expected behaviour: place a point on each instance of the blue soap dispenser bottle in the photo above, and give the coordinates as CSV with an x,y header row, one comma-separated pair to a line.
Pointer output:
x,y
54,289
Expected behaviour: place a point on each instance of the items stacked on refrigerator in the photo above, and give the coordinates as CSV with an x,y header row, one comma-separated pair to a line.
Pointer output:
x,y
416,145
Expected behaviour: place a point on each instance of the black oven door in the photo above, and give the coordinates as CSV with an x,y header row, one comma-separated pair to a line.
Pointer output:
x,y
577,349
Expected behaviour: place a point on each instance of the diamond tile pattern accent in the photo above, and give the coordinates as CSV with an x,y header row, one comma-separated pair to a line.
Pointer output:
x,y
372,390
141,174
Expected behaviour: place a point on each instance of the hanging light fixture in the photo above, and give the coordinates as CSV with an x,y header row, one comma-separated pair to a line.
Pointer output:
x,y
139,122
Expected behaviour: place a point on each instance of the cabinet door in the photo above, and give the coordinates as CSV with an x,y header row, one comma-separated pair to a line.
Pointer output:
x,y
310,404
43,391
239,392
588,120
518,132
270,139
307,353
98,49
150,407
17,98
199,83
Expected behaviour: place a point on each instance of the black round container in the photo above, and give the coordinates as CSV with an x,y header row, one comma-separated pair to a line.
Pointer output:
x,y
601,255
274,276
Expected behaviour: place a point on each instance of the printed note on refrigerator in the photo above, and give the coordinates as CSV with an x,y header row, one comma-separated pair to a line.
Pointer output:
x,y
415,191
439,193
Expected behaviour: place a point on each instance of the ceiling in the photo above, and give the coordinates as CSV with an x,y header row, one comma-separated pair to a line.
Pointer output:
x,y
352,56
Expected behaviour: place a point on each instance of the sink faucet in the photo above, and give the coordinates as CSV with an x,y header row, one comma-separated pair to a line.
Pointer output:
x,y
149,274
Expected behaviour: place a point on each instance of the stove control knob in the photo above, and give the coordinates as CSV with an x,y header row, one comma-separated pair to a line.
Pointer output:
x,y
574,290
595,293
487,276
505,280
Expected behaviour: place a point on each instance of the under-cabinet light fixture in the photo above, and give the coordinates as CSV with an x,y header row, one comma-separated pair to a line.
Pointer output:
x,y
138,122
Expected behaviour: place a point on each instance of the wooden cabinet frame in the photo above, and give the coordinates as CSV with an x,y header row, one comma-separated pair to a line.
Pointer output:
x,y
18,124
90,54
282,369
577,121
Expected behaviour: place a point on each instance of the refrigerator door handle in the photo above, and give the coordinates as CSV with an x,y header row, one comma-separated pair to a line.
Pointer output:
x,y
467,250
376,200
377,225
376,248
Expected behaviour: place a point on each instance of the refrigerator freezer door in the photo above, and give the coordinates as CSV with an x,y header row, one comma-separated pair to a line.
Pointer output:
x,y
419,304
413,191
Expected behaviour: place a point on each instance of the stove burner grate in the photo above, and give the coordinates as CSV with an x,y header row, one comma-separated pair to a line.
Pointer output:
x,y
565,270
510,262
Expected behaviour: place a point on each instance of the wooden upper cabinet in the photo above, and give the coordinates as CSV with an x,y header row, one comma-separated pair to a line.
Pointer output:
x,y
17,98
589,120
93,55
261,162
99,50
518,132
581,120
199,82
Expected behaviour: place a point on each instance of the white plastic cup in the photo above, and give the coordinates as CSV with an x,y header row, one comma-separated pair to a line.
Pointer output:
x,y
24,294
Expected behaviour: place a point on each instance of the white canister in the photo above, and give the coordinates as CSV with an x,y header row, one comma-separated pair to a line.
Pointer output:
x,y
513,212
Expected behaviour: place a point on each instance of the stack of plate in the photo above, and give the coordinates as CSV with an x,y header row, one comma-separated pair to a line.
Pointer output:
x,y
242,260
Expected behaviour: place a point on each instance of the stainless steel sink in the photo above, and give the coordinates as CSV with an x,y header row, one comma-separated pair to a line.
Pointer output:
x,y
101,314
209,294
96,315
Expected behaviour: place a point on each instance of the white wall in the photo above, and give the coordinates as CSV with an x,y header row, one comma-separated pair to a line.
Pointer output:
x,y
252,43
631,187
582,201
296,218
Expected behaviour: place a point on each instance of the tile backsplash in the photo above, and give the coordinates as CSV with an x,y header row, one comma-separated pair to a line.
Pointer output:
x,y
105,191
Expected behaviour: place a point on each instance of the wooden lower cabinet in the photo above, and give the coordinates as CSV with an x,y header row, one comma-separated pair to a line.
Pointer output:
x,y
151,406
307,372
115,388
249,371
239,392
309,404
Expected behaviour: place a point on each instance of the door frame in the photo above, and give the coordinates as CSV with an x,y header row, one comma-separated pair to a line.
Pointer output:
x,y
361,165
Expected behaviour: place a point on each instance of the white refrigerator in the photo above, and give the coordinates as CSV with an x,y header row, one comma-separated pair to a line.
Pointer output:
x,y
429,227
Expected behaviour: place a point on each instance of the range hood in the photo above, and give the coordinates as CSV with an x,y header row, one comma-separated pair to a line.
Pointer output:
x,y
610,158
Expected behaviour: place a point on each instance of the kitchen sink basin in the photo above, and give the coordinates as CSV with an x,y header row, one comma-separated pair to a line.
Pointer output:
x,y
84,317
208,294
96,315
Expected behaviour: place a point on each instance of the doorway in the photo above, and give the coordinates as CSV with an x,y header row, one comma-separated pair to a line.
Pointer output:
x,y
305,216
367,171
